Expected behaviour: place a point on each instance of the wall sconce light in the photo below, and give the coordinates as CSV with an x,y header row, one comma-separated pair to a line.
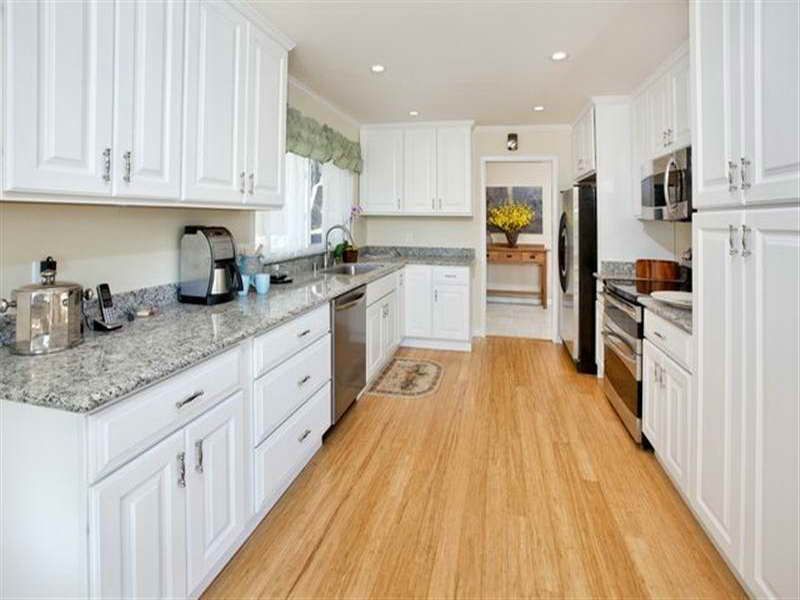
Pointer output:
x,y
512,144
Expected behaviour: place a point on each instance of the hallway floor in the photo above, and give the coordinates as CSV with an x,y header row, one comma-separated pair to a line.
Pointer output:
x,y
514,479
518,320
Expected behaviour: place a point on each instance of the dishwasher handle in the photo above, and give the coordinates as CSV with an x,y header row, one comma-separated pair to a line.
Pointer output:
x,y
350,301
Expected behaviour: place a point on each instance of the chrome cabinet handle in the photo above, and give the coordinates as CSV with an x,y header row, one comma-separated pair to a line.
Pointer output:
x,y
241,182
440,204
433,203
304,381
182,469
107,165
435,295
656,370
658,335
731,241
732,166
669,136
745,250
745,164
126,160
198,451
304,435
304,333
192,398
252,183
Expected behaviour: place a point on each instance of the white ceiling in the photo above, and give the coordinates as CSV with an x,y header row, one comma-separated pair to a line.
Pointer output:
x,y
487,61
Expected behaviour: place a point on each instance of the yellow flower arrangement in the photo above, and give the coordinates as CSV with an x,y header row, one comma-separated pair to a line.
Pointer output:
x,y
510,216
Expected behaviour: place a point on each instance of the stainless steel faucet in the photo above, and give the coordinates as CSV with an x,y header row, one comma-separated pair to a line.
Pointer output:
x,y
346,232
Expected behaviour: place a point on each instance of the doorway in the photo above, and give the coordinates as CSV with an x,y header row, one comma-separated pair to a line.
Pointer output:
x,y
519,289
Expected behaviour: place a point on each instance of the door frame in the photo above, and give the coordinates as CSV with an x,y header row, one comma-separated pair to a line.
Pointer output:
x,y
552,258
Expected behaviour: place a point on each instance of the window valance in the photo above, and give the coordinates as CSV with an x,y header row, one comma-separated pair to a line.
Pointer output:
x,y
306,137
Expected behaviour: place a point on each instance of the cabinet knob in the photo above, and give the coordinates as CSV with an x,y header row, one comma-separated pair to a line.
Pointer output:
x,y
107,165
732,166
745,174
181,469
732,251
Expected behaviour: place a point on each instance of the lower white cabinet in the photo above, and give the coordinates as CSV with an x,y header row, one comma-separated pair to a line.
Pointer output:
x,y
417,301
451,312
437,307
383,335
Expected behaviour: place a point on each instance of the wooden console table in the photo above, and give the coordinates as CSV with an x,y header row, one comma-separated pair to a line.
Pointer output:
x,y
520,255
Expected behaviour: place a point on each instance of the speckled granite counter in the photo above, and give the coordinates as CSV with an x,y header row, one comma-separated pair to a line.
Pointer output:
x,y
680,317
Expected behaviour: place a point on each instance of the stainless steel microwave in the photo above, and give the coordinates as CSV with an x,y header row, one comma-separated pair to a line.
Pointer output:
x,y
667,195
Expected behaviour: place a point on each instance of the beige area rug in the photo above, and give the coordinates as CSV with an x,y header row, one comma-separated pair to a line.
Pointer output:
x,y
408,378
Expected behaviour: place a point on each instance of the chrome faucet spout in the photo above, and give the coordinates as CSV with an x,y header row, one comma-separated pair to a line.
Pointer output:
x,y
326,253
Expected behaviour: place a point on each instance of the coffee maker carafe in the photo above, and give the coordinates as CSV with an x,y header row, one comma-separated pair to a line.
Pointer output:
x,y
209,274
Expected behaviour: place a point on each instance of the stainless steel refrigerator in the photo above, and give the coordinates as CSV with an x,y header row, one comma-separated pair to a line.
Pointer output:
x,y
577,263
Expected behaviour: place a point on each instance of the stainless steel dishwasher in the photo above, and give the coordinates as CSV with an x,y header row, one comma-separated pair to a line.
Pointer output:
x,y
349,320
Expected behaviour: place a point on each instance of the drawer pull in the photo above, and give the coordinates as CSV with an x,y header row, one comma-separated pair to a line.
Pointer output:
x,y
509,256
303,437
304,333
449,276
182,469
191,398
198,449
304,380
658,335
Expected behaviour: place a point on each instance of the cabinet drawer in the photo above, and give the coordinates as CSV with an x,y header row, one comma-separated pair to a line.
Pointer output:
x,y
278,345
451,275
671,339
124,429
277,394
284,454
499,256
378,289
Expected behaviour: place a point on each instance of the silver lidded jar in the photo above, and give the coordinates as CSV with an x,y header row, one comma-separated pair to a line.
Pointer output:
x,y
49,314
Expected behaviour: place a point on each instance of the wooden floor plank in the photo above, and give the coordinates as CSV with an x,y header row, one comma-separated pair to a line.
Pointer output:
x,y
515,479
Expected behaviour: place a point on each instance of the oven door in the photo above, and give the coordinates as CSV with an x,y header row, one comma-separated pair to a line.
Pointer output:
x,y
623,379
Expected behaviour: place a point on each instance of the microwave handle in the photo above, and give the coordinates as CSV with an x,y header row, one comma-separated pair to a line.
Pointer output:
x,y
670,162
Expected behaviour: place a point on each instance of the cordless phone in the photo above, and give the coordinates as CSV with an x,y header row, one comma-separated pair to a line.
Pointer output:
x,y
109,319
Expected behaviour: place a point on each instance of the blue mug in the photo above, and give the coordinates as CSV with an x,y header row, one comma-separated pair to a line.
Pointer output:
x,y
262,283
245,285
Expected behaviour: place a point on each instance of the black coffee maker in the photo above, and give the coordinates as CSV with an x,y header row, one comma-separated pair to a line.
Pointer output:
x,y
209,274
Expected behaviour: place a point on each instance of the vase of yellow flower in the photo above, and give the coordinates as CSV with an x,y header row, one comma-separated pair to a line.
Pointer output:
x,y
510,218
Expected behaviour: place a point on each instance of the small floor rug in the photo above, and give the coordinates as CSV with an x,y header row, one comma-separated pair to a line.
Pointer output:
x,y
408,378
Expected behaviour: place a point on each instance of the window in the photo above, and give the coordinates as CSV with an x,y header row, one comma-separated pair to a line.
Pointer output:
x,y
318,196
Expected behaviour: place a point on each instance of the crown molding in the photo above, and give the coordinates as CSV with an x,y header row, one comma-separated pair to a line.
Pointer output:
x,y
249,10
552,127
301,85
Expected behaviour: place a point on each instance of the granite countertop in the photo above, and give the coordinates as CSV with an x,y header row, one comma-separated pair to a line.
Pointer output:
x,y
681,317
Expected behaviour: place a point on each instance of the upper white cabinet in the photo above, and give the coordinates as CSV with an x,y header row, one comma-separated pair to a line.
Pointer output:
x,y
144,101
583,144
667,110
418,169
148,101
382,181
58,88
746,75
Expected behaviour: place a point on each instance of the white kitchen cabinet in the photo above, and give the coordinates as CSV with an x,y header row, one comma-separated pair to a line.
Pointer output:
x,y
148,101
651,395
771,355
138,526
676,406
583,143
58,90
451,312
391,321
214,168
401,304
215,486
266,120
658,105
745,119
381,184
640,149
374,342
718,314
679,114
418,305
453,170
419,168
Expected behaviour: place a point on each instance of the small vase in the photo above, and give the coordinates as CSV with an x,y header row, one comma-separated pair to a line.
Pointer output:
x,y
511,237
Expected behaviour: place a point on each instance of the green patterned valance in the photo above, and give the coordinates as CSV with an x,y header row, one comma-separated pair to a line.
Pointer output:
x,y
307,137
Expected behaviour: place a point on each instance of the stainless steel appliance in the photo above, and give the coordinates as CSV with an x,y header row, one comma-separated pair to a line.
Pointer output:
x,y
667,194
577,262
349,321
209,274
49,314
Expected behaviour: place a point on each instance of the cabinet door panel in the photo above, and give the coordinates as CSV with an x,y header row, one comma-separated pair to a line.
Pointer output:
x,y
419,168
658,94
718,313
374,345
772,117
651,395
419,296
680,120
214,138
676,397
451,312
717,102
138,527
772,383
59,96
382,179
266,121
148,102
215,475
453,156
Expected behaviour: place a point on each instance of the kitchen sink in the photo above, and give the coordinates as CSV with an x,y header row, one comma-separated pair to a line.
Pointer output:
x,y
353,269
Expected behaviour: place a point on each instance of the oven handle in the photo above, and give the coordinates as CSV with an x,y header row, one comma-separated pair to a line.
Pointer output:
x,y
632,311
630,359
611,326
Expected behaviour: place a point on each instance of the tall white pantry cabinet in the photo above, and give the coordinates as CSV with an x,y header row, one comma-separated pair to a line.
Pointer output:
x,y
745,471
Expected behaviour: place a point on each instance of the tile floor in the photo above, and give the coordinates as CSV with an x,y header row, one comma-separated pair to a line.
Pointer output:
x,y
517,320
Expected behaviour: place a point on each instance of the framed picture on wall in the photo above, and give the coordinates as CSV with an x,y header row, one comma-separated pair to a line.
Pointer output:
x,y
528,195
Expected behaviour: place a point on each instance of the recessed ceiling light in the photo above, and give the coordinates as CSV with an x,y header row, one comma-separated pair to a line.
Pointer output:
x,y
378,68
413,113
538,108
560,55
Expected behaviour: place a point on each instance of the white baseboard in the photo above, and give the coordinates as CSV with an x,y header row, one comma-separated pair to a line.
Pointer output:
x,y
437,344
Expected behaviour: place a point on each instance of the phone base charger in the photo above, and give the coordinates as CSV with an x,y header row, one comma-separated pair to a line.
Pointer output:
x,y
99,325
